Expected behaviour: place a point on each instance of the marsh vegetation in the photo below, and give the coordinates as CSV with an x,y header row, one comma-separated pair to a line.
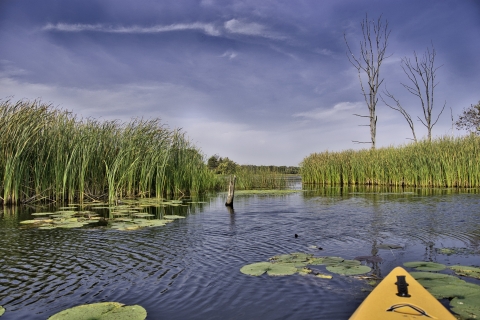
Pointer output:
x,y
444,162
49,154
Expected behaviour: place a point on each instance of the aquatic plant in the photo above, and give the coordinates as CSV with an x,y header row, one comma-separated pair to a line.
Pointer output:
x,y
465,271
102,311
259,177
49,154
463,296
2,310
272,269
299,261
445,162
425,266
348,270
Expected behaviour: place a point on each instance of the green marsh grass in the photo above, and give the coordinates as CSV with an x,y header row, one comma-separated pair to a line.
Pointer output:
x,y
445,162
259,178
48,154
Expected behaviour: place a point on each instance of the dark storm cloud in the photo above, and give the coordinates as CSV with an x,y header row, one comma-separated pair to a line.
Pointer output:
x,y
269,75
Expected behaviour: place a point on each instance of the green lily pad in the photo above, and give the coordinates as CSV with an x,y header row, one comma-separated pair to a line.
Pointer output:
x,y
467,307
272,269
295,258
316,261
172,216
348,270
256,269
425,266
430,280
330,261
465,271
30,221
42,213
102,311
2,310
281,269
47,227
450,291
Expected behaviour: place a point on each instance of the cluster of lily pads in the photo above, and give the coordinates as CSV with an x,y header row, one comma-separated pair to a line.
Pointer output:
x,y
464,296
455,250
298,262
102,311
130,215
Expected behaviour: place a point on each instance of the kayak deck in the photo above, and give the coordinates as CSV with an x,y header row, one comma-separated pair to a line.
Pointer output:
x,y
400,296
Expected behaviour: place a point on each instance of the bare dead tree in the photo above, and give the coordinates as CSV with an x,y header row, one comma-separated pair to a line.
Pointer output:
x,y
421,73
400,109
372,53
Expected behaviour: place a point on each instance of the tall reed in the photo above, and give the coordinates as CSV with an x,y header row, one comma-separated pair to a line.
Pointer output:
x,y
445,162
50,154
259,177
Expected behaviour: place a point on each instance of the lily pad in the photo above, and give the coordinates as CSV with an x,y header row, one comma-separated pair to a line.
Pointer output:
x,y
316,261
348,270
329,261
425,266
2,310
296,257
272,269
30,221
450,291
468,306
465,271
256,269
172,216
323,276
102,311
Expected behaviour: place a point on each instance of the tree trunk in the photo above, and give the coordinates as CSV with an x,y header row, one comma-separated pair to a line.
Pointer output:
x,y
231,192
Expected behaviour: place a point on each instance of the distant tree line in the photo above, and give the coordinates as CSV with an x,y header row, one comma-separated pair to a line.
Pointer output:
x,y
227,166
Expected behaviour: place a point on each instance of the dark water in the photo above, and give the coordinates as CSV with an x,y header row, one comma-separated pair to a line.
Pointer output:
x,y
189,269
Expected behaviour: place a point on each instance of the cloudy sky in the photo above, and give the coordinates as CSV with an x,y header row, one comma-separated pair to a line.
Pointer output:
x,y
258,81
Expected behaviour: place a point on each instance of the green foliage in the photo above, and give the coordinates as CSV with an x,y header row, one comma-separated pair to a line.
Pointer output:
x,y
50,154
470,119
102,311
444,162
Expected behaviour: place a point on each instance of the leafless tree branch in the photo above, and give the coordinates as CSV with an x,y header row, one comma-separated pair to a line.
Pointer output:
x,y
373,47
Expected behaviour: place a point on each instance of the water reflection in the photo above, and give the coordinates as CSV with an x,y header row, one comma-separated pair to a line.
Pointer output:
x,y
189,269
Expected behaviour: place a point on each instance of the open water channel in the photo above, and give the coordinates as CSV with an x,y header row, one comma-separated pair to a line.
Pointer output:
x,y
189,269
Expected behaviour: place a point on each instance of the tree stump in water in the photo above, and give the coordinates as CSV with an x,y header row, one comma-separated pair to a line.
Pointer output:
x,y
231,192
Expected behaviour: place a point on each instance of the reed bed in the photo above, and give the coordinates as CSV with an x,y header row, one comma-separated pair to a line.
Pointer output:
x,y
445,162
259,178
48,154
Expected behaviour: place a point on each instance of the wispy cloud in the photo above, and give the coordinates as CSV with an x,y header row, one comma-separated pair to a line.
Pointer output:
x,y
208,28
250,29
229,54
336,112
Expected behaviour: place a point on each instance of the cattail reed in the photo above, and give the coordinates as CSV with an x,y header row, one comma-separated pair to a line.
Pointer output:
x,y
445,162
48,154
